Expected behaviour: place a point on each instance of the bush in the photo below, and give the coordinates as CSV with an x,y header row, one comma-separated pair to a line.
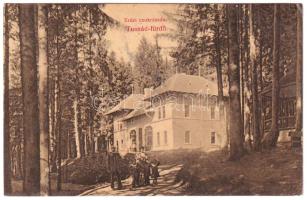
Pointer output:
x,y
93,169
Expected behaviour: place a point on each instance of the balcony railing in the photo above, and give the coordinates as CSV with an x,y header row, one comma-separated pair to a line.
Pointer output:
x,y
285,123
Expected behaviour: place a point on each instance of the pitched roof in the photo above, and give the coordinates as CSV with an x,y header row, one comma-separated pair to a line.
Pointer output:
x,y
137,112
131,102
177,83
187,84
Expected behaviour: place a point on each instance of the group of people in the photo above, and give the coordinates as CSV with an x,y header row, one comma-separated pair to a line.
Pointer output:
x,y
141,169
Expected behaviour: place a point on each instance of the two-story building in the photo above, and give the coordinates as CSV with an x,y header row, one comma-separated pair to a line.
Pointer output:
x,y
183,112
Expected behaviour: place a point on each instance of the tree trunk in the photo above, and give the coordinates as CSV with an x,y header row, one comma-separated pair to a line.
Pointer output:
x,y
236,134
59,112
218,56
31,184
54,108
85,143
270,139
299,71
247,77
241,50
260,81
59,135
255,116
19,165
81,134
260,49
91,133
68,146
43,100
228,105
80,141
76,127
90,87
7,153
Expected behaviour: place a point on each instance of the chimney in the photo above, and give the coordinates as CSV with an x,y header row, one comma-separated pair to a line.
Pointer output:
x,y
147,91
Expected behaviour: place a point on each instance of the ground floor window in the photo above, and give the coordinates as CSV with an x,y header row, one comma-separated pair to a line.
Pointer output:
x,y
212,109
165,137
158,138
187,137
213,137
187,110
140,138
133,137
133,140
148,138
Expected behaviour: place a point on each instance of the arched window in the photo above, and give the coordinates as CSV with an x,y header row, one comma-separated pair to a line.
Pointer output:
x,y
148,138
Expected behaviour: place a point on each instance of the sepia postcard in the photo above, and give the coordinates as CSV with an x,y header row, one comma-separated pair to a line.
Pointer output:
x,y
153,99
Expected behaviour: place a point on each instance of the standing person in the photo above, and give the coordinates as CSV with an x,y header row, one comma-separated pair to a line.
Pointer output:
x,y
146,172
114,167
145,164
144,168
135,173
141,156
154,171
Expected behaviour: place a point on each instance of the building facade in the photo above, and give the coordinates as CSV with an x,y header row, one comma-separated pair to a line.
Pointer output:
x,y
182,113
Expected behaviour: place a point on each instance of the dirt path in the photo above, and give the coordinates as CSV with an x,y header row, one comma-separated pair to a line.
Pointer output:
x,y
165,186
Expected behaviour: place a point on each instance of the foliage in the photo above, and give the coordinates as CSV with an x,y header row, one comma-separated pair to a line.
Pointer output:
x,y
198,25
149,67
93,169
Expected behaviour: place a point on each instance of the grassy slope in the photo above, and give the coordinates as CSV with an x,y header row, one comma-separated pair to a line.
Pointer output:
x,y
276,172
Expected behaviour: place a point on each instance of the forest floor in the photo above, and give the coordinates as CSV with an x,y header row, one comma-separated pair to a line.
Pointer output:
x,y
275,172
68,189
166,185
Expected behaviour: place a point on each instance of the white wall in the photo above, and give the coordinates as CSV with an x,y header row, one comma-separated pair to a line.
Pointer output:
x,y
161,126
199,123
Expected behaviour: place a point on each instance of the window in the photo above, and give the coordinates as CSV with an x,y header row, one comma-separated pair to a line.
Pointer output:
x,y
186,110
212,109
187,137
222,111
212,137
165,137
133,140
148,138
133,137
120,127
163,111
140,137
159,113
122,141
158,138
